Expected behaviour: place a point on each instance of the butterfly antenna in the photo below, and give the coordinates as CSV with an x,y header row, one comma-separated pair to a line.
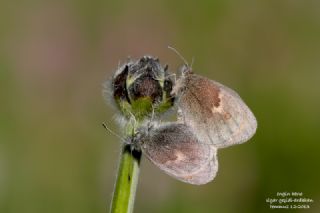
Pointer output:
x,y
192,62
112,132
177,52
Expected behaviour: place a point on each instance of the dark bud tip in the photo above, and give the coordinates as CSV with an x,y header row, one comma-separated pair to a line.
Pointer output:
x,y
119,85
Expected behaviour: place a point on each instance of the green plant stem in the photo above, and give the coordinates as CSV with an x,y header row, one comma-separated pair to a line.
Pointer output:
x,y
127,181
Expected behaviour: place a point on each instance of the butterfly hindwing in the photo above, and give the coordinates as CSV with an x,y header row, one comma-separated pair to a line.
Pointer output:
x,y
177,151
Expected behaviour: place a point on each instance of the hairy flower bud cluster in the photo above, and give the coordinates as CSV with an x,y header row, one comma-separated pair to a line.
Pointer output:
x,y
142,88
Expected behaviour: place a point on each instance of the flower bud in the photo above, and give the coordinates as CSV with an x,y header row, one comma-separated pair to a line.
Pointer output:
x,y
141,88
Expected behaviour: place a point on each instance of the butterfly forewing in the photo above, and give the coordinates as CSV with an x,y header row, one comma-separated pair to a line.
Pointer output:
x,y
177,151
215,113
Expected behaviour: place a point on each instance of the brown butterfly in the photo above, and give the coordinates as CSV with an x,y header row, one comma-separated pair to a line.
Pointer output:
x,y
215,113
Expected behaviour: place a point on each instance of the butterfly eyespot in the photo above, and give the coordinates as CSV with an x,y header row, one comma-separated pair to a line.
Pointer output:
x,y
226,116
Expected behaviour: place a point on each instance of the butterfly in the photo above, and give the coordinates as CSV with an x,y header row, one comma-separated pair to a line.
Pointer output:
x,y
175,149
216,113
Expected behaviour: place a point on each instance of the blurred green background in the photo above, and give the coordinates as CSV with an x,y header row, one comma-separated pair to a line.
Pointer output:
x,y
54,56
